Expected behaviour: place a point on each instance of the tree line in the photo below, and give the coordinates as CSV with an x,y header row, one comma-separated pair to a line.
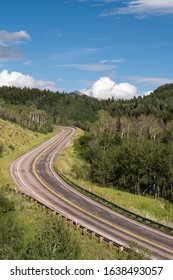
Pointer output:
x,y
45,108
135,155
81,111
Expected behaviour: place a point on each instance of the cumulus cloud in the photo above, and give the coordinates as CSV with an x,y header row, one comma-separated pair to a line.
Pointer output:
x,y
147,93
7,40
14,36
18,79
105,88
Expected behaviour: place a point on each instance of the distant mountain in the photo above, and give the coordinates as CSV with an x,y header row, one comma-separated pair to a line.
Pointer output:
x,y
77,93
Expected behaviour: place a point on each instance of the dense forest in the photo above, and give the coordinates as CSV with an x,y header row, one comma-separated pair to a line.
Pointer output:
x,y
127,143
45,106
135,155
39,110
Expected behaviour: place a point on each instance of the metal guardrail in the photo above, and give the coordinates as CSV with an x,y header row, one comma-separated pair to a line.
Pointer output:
x,y
119,246
135,215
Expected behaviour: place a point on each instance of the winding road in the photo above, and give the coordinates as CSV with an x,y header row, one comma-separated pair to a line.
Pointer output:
x,y
33,172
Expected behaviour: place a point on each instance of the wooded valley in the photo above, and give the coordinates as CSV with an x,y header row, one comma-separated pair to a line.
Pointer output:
x,y
127,143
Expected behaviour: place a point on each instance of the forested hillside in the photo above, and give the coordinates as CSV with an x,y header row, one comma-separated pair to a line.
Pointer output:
x,y
135,155
47,107
128,143
38,110
131,146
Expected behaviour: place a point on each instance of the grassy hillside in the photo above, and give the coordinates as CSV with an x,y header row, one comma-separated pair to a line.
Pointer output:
x,y
28,221
14,137
69,163
15,141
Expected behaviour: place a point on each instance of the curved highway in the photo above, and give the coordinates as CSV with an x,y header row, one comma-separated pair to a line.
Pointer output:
x,y
33,172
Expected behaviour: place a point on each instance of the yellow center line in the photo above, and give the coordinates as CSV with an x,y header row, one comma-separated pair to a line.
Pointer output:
x,y
83,210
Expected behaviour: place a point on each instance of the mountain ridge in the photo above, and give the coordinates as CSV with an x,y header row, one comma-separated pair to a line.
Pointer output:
x,y
77,93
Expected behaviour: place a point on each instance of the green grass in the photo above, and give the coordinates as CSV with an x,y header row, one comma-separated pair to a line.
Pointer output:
x,y
30,216
69,163
16,141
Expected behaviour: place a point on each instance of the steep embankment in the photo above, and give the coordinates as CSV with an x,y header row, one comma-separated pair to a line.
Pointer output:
x,y
15,140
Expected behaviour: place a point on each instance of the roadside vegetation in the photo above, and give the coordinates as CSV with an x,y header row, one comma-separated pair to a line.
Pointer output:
x,y
14,141
28,231
38,235
71,164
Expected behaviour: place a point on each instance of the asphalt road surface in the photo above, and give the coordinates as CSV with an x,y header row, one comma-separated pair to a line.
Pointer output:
x,y
33,172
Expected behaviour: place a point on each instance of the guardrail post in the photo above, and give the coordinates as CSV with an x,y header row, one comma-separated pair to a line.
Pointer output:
x,y
92,235
101,238
71,223
120,248
110,244
77,227
84,231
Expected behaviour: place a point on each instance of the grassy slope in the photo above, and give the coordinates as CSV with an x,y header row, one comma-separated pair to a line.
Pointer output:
x,y
16,141
69,163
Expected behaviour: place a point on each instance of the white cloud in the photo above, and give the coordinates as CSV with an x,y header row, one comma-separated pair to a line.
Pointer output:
x,y
150,80
116,60
142,8
74,53
27,62
105,88
103,2
7,40
9,53
147,93
60,80
14,36
87,67
18,79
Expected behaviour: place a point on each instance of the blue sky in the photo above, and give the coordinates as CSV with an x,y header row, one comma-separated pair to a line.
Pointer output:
x,y
104,47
